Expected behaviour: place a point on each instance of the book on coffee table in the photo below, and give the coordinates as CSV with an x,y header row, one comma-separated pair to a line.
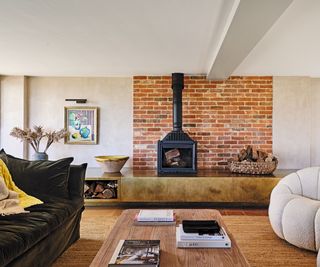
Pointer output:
x,y
155,216
201,242
194,236
130,253
136,222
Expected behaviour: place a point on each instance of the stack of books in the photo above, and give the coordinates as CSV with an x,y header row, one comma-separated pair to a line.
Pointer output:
x,y
155,217
219,239
144,253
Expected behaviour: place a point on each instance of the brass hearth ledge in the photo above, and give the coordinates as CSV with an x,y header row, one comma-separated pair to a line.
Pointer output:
x,y
208,186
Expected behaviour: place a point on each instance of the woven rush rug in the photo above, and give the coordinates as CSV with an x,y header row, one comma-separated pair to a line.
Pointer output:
x,y
253,234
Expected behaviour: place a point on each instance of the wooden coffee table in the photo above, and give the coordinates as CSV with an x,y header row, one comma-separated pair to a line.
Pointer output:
x,y
170,255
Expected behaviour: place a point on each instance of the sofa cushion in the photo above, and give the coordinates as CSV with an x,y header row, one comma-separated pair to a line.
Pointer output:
x,y
40,177
20,232
294,208
298,222
25,199
77,172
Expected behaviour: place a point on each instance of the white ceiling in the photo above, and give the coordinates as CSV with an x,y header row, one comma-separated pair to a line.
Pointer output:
x,y
292,45
155,37
250,22
108,37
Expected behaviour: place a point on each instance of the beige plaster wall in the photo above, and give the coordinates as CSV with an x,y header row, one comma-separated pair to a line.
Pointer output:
x,y
13,112
296,121
315,122
113,96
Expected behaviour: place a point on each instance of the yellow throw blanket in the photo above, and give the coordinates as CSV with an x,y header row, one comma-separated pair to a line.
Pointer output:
x,y
25,200
9,201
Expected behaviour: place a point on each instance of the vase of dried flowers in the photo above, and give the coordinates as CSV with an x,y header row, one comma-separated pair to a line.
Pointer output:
x,y
35,136
40,156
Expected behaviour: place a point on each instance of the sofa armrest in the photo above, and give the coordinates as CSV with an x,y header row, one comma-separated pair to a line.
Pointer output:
x,y
76,180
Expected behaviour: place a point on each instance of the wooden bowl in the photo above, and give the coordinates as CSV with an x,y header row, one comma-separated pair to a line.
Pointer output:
x,y
111,163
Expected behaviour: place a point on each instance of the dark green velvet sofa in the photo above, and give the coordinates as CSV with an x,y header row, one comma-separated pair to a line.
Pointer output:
x,y
39,237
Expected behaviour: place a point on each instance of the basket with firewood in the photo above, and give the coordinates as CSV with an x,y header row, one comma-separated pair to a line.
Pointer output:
x,y
253,161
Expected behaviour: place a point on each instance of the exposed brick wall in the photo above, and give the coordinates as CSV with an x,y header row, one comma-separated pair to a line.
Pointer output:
x,y
222,116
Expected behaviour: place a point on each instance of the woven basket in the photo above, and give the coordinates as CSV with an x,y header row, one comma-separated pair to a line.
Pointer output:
x,y
249,167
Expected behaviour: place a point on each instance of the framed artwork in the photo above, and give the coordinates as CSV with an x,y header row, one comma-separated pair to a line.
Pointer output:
x,y
82,125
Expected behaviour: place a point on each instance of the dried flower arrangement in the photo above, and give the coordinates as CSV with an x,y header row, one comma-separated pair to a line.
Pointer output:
x,y
34,137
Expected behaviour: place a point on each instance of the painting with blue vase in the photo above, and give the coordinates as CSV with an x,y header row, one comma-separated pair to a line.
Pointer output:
x,y
81,123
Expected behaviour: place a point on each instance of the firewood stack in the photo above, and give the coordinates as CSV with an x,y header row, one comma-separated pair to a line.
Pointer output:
x,y
252,154
103,190
253,161
174,159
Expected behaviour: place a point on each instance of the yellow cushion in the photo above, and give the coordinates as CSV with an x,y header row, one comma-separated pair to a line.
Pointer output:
x,y
25,199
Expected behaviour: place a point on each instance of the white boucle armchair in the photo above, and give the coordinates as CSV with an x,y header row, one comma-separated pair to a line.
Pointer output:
x,y
294,209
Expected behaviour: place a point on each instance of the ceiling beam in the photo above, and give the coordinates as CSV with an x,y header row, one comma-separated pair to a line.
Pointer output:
x,y
248,22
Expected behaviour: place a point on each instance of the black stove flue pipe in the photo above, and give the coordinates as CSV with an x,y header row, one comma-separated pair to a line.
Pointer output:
x,y
177,87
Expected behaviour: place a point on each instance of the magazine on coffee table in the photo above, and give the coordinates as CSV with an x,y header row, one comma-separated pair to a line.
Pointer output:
x,y
144,253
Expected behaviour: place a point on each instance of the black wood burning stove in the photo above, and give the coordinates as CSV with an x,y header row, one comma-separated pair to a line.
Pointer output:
x,y
177,152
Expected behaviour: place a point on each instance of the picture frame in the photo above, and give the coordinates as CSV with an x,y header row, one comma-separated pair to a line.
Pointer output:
x,y
82,125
